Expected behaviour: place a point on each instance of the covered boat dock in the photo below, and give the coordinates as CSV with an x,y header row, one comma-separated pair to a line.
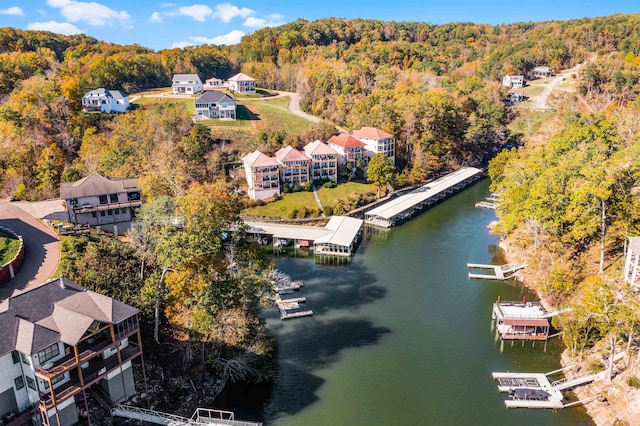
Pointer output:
x,y
415,202
521,320
339,237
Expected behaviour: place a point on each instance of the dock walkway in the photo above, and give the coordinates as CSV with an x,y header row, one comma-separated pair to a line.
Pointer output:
x,y
285,305
500,272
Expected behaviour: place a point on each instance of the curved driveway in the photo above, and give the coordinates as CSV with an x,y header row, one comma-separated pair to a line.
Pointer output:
x,y
541,102
41,249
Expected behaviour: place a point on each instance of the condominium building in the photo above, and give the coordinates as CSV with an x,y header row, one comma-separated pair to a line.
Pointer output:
x,y
376,141
324,161
263,175
294,165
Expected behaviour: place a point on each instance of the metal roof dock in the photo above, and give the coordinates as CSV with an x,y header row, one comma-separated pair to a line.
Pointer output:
x,y
415,202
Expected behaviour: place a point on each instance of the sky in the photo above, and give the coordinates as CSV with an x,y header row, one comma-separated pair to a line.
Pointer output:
x,y
161,25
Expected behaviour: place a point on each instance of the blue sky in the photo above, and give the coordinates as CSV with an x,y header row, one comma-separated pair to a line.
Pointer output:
x,y
160,25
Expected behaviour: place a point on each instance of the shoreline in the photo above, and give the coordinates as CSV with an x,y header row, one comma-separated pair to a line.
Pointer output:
x,y
619,403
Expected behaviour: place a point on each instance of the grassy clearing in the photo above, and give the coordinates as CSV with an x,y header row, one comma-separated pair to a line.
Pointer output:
x,y
532,90
283,207
272,114
187,101
332,196
9,246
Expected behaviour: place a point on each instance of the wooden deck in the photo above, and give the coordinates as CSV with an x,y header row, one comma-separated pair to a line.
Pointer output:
x,y
285,305
500,272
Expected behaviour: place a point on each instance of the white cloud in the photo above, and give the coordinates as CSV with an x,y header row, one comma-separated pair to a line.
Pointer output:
x,y
272,20
199,12
95,14
55,27
181,44
155,17
167,5
226,12
14,10
232,37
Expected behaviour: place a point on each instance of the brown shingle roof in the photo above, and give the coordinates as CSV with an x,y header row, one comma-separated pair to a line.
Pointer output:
x,y
97,185
371,133
289,153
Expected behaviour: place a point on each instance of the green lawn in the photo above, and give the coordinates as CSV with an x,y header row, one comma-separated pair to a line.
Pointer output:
x,y
187,101
532,90
283,207
9,246
332,196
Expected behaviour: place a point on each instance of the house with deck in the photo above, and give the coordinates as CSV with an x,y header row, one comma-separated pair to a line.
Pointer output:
x,y
61,343
215,105
324,161
96,200
540,72
632,262
104,100
294,165
186,84
263,175
241,83
376,141
349,149
513,81
521,320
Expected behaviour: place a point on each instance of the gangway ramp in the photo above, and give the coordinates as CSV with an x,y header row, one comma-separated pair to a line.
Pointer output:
x,y
202,417
568,382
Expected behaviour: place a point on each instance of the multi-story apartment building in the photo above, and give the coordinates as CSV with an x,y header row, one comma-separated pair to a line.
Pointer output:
x,y
263,175
59,343
349,149
294,165
376,141
324,161
99,201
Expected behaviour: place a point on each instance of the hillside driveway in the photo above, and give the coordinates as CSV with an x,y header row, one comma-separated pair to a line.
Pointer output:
x,y
41,246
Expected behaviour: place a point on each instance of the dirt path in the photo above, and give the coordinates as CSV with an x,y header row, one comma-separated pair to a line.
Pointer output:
x,y
41,249
541,101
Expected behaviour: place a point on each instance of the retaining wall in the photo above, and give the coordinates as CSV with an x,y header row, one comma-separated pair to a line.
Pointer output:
x,y
10,269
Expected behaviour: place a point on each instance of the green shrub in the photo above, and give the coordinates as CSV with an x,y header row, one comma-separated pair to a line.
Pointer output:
x,y
302,213
308,186
634,382
328,210
329,184
293,213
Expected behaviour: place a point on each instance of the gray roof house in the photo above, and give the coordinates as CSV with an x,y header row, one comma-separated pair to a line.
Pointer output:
x,y
186,84
59,340
213,104
104,100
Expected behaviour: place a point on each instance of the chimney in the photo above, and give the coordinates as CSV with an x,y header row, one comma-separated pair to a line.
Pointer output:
x,y
62,282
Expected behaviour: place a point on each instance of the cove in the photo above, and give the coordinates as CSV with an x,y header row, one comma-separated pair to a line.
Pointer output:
x,y
401,335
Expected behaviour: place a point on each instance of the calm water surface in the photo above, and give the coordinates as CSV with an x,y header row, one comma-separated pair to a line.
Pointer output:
x,y
401,336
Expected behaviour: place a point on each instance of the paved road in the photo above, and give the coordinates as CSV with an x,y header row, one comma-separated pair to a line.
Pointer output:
x,y
41,249
541,102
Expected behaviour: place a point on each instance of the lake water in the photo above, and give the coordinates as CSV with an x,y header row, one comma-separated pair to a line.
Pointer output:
x,y
401,335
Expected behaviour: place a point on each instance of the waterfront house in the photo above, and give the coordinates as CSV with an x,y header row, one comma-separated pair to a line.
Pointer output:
x,y
100,201
294,165
513,81
632,263
59,344
540,72
214,104
324,161
376,141
263,175
349,149
521,320
104,100
186,84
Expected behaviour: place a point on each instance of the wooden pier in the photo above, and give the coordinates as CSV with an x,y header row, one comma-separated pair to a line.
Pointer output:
x,y
500,272
289,288
486,205
285,305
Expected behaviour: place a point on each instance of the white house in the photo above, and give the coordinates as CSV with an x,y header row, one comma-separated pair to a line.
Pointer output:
x,y
215,104
376,141
241,83
104,100
186,84
349,149
213,82
513,81
99,201
632,263
58,342
263,175
324,161
540,72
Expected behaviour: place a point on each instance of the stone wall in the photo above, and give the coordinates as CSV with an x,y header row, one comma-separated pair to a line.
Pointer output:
x,y
10,269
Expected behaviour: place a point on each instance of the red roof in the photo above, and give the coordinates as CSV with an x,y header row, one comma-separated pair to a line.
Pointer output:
x,y
258,159
371,133
345,140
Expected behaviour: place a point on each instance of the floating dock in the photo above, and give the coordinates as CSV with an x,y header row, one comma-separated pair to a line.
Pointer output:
x,y
290,288
285,305
500,272
486,205
406,206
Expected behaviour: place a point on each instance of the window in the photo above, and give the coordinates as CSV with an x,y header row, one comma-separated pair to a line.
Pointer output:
x,y
110,212
19,382
133,196
25,359
113,198
103,199
93,214
102,213
47,353
73,201
31,383
15,356
57,379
